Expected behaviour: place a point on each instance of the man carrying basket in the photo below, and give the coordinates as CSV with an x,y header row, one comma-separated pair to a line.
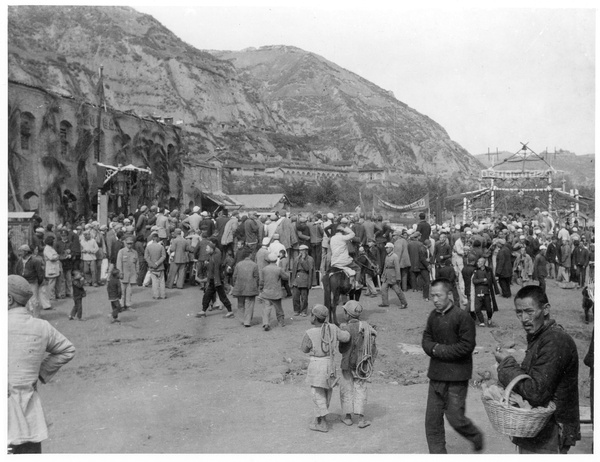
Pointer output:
x,y
552,364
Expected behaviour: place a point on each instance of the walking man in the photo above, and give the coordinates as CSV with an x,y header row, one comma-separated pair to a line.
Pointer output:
x,y
391,278
449,341
245,285
269,286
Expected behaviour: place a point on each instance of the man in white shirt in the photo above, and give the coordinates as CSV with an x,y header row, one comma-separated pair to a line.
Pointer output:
x,y
339,248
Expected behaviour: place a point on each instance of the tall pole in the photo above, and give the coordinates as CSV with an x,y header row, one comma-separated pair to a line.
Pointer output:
x,y
464,210
577,203
549,192
572,194
492,196
99,118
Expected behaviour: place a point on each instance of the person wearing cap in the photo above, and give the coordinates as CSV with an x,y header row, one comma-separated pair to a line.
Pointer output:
x,y
245,285
214,281
251,228
580,258
89,249
269,287
413,246
30,362
207,224
483,291
303,269
564,260
400,239
458,260
449,341
162,222
178,249
504,267
128,265
263,253
194,219
358,356
391,277
303,232
220,223
423,227
155,255
101,255
523,266
540,268
229,228
340,257
63,248
275,246
328,229
37,241
142,220
31,268
316,244
52,268
320,343
370,269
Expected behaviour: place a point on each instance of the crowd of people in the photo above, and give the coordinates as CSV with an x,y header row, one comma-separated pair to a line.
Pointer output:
x,y
272,256
166,249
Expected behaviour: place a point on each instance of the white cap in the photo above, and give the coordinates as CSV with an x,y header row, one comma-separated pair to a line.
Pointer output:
x,y
331,216
537,231
196,209
266,241
204,214
574,230
389,244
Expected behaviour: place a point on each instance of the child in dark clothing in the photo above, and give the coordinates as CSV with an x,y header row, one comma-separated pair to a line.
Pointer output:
x,y
78,294
114,294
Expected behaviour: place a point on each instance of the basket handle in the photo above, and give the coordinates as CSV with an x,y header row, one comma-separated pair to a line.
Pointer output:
x,y
511,385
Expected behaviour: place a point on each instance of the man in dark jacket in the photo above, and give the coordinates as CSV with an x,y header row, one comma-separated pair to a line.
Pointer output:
x,y
504,267
245,286
31,267
214,283
449,341
303,270
552,364
423,227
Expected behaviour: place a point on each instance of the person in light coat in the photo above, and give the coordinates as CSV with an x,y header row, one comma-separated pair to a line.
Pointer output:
x,y
128,264
36,351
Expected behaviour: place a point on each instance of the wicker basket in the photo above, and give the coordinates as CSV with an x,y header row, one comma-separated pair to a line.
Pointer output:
x,y
514,421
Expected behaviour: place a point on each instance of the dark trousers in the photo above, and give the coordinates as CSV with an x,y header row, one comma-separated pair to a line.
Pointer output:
x,y
77,310
580,271
300,299
425,281
485,302
316,254
142,272
286,286
448,398
26,448
505,286
542,281
210,291
404,275
115,306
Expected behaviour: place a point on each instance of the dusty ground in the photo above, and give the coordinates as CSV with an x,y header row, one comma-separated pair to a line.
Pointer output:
x,y
164,381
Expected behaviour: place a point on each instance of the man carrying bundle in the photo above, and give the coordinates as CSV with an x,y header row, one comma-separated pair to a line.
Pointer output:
x,y
358,356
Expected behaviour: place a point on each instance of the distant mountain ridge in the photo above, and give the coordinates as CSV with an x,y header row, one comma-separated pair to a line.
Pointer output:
x,y
269,104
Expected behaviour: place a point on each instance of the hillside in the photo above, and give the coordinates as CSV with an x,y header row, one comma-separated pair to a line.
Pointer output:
x,y
579,169
271,104
350,117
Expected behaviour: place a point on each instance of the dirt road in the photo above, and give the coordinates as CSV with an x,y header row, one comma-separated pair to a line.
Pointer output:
x,y
164,381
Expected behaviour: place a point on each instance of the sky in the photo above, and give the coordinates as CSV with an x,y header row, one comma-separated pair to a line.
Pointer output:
x,y
491,77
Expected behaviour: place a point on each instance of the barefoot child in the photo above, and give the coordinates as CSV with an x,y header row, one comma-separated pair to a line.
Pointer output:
x,y
78,294
114,294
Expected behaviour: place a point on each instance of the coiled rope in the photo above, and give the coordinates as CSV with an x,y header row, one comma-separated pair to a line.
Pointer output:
x,y
364,368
